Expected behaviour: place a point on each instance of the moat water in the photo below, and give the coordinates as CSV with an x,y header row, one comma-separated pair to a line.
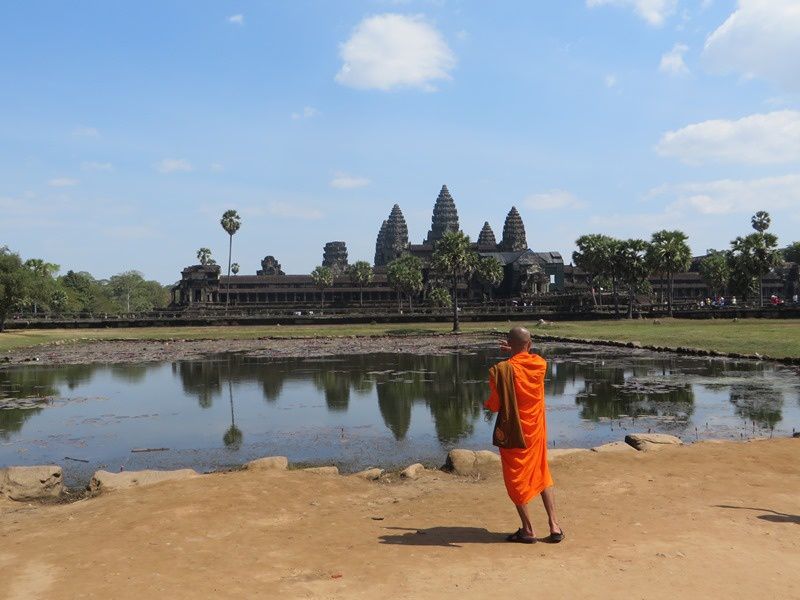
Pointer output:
x,y
360,411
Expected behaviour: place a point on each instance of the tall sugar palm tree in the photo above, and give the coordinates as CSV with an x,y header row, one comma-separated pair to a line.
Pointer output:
x,y
669,253
231,221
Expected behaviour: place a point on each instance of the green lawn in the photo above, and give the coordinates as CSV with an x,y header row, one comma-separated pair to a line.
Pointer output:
x,y
778,338
770,337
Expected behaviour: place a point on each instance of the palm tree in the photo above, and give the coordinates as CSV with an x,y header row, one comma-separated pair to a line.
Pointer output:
x,y
634,268
669,253
204,257
323,278
230,222
489,273
235,268
233,436
454,259
761,221
360,274
405,276
593,256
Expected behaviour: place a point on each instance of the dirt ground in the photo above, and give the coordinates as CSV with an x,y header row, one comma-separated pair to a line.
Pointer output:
x,y
711,520
126,351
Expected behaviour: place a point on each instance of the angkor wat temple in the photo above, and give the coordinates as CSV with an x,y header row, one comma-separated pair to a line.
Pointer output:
x,y
526,272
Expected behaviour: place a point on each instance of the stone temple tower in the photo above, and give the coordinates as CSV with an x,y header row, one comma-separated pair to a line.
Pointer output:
x,y
334,256
392,239
486,240
513,233
445,217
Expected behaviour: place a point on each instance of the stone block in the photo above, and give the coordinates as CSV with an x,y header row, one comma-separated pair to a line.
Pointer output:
x,y
31,483
648,442
412,471
369,474
103,481
614,447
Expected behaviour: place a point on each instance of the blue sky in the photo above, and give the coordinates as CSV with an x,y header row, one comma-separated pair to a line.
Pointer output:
x,y
126,129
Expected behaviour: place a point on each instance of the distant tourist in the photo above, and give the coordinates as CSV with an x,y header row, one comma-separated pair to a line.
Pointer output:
x,y
517,395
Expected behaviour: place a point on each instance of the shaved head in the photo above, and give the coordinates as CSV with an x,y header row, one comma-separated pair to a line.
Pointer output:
x,y
519,339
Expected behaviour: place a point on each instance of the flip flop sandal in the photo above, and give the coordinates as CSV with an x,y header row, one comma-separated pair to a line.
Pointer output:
x,y
520,538
555,538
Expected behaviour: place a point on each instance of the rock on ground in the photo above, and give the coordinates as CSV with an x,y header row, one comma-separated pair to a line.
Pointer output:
x,y
323,470
412,471
31,483
470,463
103,481
648,442
268,463
369,474
614,447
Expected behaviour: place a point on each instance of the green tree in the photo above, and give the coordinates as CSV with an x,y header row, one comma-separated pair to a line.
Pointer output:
x,y
760,221
405,277
58,301
716,272
440,297
634,268
751,257
14,283
594,257
454,261
669,254
42,283
86,294
235,268
230,222
323,279
489,273
361,274
204,256
125,286
792,253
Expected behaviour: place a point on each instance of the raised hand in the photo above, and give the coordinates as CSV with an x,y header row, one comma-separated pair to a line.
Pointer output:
x,y
505,347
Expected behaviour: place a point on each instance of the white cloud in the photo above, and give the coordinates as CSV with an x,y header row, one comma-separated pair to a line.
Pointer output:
x,y
89,132
236,19
92,165
343,181
726,196
63,182
293,211
610,81
308,112
760,39
655,12
393,51
672,62
174,165
760,139
553,200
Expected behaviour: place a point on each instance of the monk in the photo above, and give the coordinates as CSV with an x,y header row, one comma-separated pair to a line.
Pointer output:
x,y
517,394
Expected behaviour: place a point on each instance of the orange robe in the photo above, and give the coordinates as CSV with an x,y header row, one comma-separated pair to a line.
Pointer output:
x,y
525,471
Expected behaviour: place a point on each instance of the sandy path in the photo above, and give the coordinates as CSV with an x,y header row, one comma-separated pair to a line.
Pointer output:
x,y
704,521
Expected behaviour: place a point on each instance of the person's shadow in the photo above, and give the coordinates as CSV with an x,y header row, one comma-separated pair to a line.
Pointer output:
x,y
772,516
449,537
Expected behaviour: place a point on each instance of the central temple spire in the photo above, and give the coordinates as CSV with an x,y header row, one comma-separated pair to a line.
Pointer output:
x,y
392,238
445,217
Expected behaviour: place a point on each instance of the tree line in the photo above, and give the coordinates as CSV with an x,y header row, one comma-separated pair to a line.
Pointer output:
x,y
625,266
34,286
